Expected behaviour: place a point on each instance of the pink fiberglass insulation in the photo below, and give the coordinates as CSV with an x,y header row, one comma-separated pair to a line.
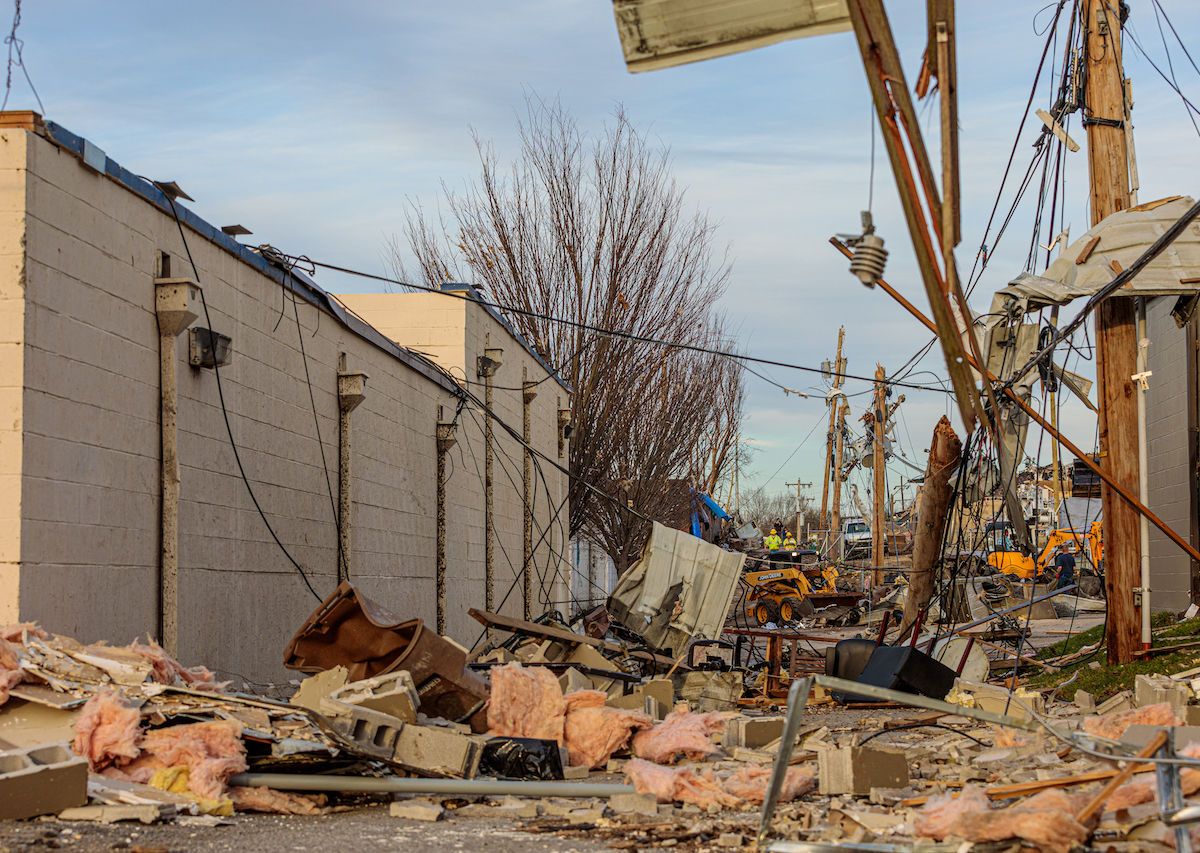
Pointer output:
x,y
593,732
107,731
678,784
1145,790
10,670
212,752
681,733
1046,820
526,702
750,783
15,632
270,801
1113,725
937,818
167,670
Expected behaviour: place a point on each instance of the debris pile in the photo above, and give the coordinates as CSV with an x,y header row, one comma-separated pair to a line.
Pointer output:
x,y
570,731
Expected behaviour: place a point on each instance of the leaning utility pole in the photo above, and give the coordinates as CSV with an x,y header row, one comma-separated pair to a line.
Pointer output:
x,y
838,370
799,503
880,486
1116,328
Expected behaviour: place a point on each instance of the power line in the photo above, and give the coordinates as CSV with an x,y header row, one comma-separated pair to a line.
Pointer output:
x,y
16,47
616,333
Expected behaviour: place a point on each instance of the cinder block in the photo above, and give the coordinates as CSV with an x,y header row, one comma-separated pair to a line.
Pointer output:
x,y
393,694
41,780
858,769
572,680
438,751
374,733
752,732
1155,689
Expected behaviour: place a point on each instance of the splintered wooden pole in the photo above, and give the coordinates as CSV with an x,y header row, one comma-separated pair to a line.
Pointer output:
x,y
945,455
835,518
1116,334
880,485
917,189
833,407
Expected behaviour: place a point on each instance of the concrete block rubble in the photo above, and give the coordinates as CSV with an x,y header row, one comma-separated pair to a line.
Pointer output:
x,y
569,734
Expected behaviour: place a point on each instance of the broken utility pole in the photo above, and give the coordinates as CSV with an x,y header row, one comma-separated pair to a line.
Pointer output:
x,y
879,519
933,508
835,519
839,368
1116,330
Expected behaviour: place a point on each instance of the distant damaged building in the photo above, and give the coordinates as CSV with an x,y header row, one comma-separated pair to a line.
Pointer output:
x,y
126,509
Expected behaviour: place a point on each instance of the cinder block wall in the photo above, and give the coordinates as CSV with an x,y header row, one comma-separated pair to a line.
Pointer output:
x,y
80,347
454,332
1171,482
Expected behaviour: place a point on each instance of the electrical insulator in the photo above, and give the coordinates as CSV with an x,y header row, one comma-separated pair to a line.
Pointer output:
x,y
869,259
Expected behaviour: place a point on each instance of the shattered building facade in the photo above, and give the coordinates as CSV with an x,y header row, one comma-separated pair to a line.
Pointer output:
x,y
85,245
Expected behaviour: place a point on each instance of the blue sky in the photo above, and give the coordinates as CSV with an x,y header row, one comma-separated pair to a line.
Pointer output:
x,y
315,126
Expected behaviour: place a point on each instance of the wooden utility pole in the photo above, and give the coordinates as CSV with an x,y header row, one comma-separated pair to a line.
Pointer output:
x,y
835,517
1116,330
838,370
877,492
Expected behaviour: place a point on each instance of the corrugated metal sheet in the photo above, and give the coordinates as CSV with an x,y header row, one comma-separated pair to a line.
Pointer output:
x,y
704,575
1124,237
664,33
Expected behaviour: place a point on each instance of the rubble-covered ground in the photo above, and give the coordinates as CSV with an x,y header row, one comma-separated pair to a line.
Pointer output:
x,y
124,748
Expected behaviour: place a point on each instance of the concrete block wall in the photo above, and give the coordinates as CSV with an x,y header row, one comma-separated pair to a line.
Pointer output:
x,y
1172,484
423,321
77,265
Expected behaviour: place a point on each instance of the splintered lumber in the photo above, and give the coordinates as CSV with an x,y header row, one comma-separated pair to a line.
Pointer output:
x,y
1020,789
1097,802
944,455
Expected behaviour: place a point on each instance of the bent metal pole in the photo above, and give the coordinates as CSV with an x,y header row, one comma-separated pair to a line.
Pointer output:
x,y
1067,444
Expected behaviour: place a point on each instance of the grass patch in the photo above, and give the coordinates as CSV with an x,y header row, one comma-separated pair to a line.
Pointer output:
x,y
1179,630
1073,643
1106,680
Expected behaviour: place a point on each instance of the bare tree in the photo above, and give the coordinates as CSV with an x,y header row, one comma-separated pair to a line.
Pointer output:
x,y
766,509
596,235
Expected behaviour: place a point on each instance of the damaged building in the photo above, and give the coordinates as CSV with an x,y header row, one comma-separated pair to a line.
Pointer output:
x,y
338,408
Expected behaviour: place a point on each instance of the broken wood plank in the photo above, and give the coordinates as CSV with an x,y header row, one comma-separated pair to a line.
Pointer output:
x,y
917,719
1086,251
1097,802
1020,789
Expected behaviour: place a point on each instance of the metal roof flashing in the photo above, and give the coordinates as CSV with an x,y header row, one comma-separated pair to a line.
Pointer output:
x,y
90,157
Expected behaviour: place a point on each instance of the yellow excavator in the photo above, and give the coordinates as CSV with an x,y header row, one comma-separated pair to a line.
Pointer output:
x,y
1086,543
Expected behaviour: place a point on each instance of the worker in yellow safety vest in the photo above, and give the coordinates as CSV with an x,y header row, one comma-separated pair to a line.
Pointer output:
x,y
789,541
771,541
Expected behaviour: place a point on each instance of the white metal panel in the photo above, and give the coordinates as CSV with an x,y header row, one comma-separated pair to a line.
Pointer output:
x,y
664,33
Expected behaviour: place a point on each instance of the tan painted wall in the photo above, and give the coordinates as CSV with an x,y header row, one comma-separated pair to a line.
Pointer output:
x,y
12,362
86,433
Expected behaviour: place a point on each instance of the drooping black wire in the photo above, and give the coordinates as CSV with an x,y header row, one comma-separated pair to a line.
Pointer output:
x,y
16,47
337,515
225,411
